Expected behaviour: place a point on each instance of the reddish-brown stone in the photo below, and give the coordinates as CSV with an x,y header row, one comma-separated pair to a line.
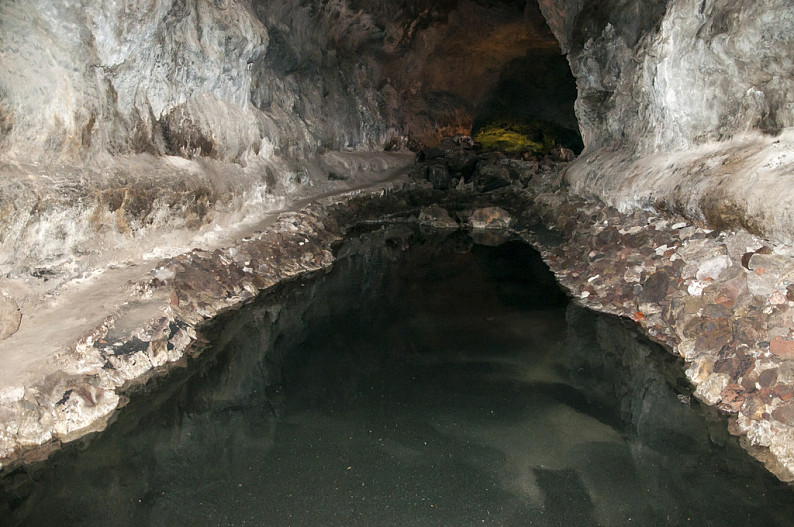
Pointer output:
x,y
732,398
781,347
783,391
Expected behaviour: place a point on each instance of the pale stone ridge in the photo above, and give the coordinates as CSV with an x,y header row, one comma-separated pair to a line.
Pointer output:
x,y
685,104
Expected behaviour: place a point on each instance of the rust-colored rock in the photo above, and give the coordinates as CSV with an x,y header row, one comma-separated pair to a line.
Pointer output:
x,y
781,347
732,398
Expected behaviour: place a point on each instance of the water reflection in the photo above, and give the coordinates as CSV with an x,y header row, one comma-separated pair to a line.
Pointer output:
x,y
430,386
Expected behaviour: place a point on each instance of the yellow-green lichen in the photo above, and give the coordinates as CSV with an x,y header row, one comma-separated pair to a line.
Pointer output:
x,y
512,137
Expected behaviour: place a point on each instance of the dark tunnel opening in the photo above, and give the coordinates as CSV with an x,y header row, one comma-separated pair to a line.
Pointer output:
x,y
535,95
477,67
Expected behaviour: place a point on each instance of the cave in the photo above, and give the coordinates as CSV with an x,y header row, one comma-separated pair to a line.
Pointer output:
x,y
165,165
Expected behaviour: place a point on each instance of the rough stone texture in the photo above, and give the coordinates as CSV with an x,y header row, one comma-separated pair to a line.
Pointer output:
x,y
76,391
122,124
10,316
168,78
687,289
233,80
685,105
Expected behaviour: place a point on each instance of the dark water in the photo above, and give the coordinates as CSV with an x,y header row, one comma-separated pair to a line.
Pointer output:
x,y
441,385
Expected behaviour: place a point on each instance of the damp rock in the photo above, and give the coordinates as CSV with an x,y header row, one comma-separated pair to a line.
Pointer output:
x,y
461,162
490,218
490,176
439,177
437,217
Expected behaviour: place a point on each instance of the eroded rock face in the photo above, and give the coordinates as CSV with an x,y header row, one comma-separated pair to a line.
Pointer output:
x,y
671,74
120,121
229,80
684,103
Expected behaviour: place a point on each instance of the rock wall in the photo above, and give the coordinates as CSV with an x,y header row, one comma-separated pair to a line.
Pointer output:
x,y
233,79
188,78
670,91
124,118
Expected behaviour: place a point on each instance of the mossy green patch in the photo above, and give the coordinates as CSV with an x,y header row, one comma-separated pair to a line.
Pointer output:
x,y
538,137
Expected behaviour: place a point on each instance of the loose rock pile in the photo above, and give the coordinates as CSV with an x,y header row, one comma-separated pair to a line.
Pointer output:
x,y
455,164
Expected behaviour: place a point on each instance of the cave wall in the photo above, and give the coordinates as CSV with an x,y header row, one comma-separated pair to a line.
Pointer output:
x,y
670,75
682,104
233,79
222,79
685,104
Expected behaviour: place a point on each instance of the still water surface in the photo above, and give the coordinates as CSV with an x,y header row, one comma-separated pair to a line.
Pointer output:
x,y
442,385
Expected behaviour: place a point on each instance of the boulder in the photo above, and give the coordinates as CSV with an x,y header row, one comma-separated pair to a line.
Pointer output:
x,y
437,217
438,175
490,218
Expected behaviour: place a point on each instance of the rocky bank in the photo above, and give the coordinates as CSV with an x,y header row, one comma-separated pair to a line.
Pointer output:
x,y
132,133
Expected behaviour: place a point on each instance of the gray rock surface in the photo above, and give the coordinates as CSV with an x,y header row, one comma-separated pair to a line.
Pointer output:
x,y
10,316
232,80
685,104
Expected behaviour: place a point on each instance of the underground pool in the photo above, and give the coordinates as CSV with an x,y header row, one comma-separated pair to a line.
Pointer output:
x,y
425,380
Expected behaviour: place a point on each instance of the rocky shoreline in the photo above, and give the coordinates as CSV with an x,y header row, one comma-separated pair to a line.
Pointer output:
x,y
158,327
722,301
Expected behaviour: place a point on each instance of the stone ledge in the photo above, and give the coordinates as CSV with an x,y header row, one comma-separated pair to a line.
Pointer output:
x,y
722,301
80,389
742,183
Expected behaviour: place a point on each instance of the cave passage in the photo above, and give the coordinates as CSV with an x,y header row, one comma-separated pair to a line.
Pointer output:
x,y
424,381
